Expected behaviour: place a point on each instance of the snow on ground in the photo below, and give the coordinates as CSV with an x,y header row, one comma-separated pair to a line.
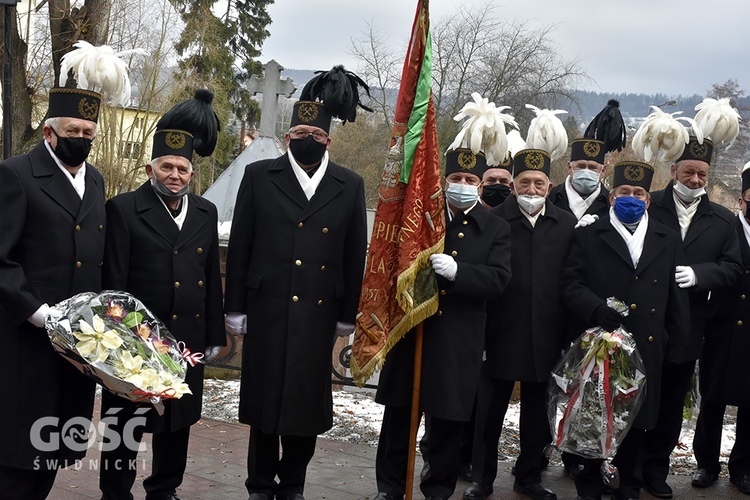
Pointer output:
x,y
357,419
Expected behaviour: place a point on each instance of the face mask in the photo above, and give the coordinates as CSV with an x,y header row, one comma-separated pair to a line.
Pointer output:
x,y
167,194
461,196
495,194
584,181
629,209
307,151
72,151
530,203
687,194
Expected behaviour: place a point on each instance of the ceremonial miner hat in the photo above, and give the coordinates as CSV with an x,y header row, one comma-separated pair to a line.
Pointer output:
x,y
746,177
633,173
189,126
97,71
463,160
695,150
546,140
716,123
330,94
605,133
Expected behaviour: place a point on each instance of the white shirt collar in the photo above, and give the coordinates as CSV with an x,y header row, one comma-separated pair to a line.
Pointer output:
x,y
79,181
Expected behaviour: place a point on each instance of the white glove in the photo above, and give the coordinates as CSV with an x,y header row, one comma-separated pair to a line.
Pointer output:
x,y
211,352
444,265
586,220
40,315
344,329
236,323
685,276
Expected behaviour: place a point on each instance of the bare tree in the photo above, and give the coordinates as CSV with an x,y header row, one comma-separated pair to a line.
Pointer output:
x,y
380,68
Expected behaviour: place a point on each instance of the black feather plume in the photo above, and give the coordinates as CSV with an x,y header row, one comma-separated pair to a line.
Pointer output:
x,y
608,127
338,90
197,117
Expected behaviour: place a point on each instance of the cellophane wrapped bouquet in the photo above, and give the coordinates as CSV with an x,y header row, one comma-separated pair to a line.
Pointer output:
x,y
114,339
595,392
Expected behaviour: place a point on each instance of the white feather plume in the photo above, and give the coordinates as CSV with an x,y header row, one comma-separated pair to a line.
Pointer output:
x,y
515,142
718,120
547,132
662,131
99,69
484,130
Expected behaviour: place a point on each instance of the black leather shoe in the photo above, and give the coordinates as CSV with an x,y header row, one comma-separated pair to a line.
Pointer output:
x,y
293,496
537,491
657,488
385,496
742,482
476,491
703,479
465,473
259,496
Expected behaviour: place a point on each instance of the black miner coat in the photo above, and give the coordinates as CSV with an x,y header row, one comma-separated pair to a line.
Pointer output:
x,y
725,371
175,273
527,326
711,248
454,336
599,266
295,267
51,248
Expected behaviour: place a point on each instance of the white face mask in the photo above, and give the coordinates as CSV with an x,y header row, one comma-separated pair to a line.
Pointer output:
x,y
687,194
460,195
584,181
530,203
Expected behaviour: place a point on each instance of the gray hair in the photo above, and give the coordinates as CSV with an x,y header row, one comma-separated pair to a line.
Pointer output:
x,y
54,123
156,161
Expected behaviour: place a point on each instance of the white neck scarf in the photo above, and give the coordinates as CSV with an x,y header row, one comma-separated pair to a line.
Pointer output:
x,y
685,213
309,184
578,204
633,241
79,181
180,219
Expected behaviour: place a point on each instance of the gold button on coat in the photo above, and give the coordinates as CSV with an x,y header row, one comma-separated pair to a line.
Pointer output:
x,y
464,222
200,283
101,227
177,284
79,264
295,298
176,251
454,253
174,317
443,292
743,296
653,311
200,250
739,323
325,230
633,307
78,228
322,268
197,316
320,302
440,313
650,338
298,262
460,235
300,225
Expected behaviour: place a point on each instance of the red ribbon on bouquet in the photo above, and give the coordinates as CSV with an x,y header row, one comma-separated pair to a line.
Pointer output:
x,y
144,395
191,357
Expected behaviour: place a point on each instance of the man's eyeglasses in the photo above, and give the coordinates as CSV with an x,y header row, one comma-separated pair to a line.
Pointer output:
x,y
303,134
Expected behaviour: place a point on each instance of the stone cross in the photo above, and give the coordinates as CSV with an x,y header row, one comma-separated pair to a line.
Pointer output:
x,y
271,86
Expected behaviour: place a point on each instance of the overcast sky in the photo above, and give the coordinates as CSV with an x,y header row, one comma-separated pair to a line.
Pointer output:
x,y
639,46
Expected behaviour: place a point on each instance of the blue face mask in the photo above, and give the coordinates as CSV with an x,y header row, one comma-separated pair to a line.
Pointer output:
x,y
460,195
629,209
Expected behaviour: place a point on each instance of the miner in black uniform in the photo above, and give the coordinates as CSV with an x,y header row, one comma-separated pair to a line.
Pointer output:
x,y
474,268
526,328
712,262
724,372
295,264
630,256
162,246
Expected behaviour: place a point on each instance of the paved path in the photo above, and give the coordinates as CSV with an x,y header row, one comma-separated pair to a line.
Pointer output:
x,y
339,471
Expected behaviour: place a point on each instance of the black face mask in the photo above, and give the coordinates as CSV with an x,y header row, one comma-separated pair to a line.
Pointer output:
x,y
495,194
72,151
167,194
307,151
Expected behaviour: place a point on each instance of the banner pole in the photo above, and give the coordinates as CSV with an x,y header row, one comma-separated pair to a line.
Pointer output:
x,y
415,412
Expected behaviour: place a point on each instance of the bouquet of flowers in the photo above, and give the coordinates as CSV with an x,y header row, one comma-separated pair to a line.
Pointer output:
x,y
595,393
114,339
